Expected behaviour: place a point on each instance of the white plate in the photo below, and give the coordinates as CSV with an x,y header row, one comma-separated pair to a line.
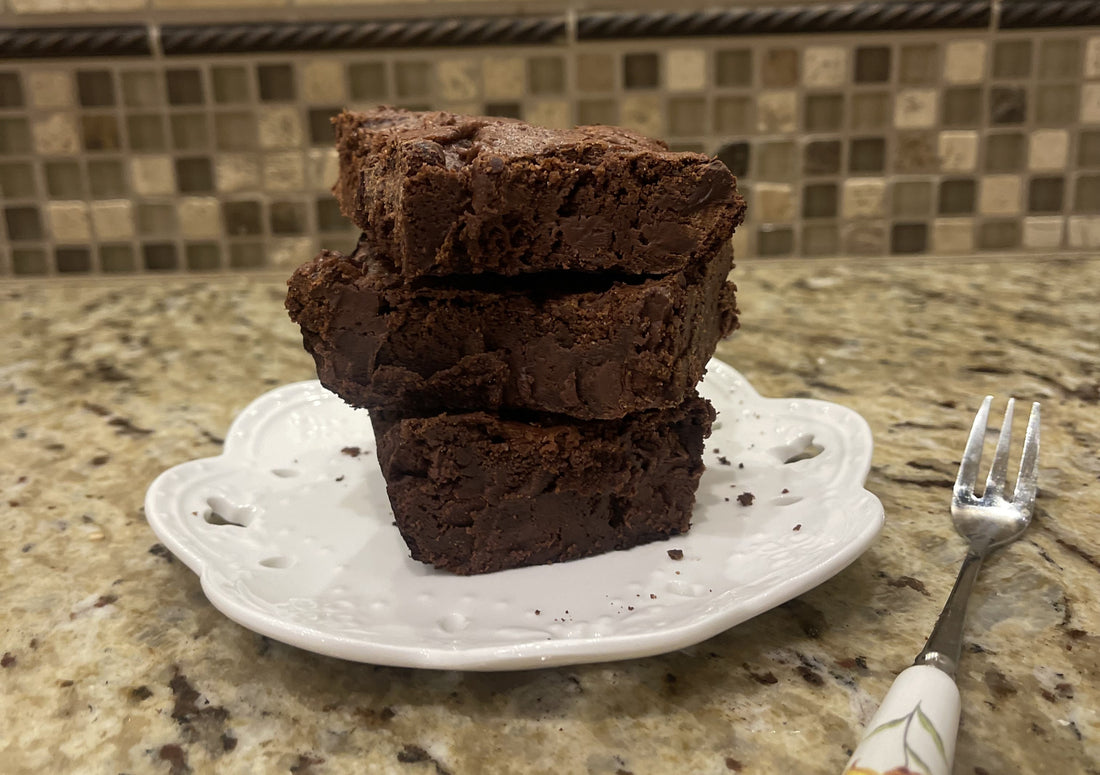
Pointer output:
x,y
318,563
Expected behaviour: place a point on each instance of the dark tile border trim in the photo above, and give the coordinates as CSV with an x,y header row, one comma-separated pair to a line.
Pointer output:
x,y
177,39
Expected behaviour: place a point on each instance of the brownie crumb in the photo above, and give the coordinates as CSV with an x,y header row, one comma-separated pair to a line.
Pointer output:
x,y
351,451
740,465
105,600
746,498
724,460
99,460
7,660
630,608
784,491
538,612
160,550
797,527
340,478
676,554
733,765
140,693
652,596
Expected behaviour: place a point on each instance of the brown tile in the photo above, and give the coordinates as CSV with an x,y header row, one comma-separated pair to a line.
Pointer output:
x,y
1005,152
184,86
117,258
908,238
15,136
953,236
72,260
320,125
819,200
1056,104
736,157
100,132
820,239
189,131
916,152
11,89
1007,105
230,84
867,155
777,111
145,132
515,110
1000,234
919,64
95,88
546,75
964,61
779,68
595,72
641,71
17,181
776,161
142,88
821,157
1086,195
1088,148
773,203
872,64
159,257
1012,59
276,83
912,198
29,261
962,106
288,218
870,110
194,175
236,131
154,219
734,115
106,179
602,111
865,239
957,196
246,255
687,116
367,81
1059,59
329,217
23,222
202,256
733,67
823,112
242,217
64,180
1046,195
413,79
774,241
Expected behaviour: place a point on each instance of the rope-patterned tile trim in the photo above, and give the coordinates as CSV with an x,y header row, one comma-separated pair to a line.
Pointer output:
x,y
29,42
1027,14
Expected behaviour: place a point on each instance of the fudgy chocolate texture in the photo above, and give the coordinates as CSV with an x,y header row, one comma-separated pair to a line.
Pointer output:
x,y
441,193
474,493
572,343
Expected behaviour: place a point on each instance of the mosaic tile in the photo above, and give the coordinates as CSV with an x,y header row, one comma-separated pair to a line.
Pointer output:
x,y
870,110
604,111
953,236
329,217
958,151
145,132
733,67
819,200
275,83
236,131
1001,234
184,86
1046,195
1005,152
367,80
117,258
246,255
113,219
1084,231
685,69
1048,149
194,175
279,127
322,166
236,172
15,136
323,81
159,256
821,157
50,88
23,223
865,239
100,132
1012,59
515,110
687,116
284,171
156,219
64,180
908,238
142,89
823,112
820,239
1043,232
919,64
962,106
460,79
774,241
1088,148
734,115
999,195
595,73
11,90
964,61
641,71
68,221
411,79
915,152
1090,103
1056,104
95,88
642,113
29,261
545,75
863,198
242,217
957,196
867,155
72,260
54,134
776,161
776,111
17,181
107,179
773,203
1059,59
736,157
202,256
200,217
1092,57
1007,105
555,114
189,131
915,108
872,64
779,68
911,198
825,67
1086,194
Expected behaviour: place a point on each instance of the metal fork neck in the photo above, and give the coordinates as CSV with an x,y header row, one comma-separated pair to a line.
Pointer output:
x,y
944,646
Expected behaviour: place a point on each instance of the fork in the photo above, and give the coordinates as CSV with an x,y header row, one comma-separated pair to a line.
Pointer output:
x,y
914,729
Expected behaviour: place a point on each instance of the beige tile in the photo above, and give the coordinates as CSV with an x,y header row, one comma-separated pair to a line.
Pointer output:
x,y
279,126
74,6
686,69
1092,58
152,175
555,114
865,238
68,221
1084,231
825,67
777,111
772,203
322,168
964,61
284,171
1090,103
113,219
50,89
999,195
915,108
958,151
289,252
863,198
458,79
200,216
1043,232
55,134
642,113
742,243
504,78
236,172
953,236
1048,149
324,82
219,4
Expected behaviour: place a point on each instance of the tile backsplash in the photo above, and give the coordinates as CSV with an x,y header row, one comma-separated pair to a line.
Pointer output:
x,y
891,142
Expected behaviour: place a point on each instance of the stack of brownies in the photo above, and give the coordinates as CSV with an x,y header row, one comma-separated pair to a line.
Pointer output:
x,y
526,316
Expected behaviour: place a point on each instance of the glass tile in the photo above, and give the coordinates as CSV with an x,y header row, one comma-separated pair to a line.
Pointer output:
x,y
819,200
17,181
820,239
872,64
734,115
276,83
1045,195
195,175
687,116
29,261
99,133
202,256
159,257
776,161
999,234
116,258
919,64
908,238
598,112
242,217
95,88
24,223
73,260
64,180
1060,59
246,255
142,89
230,84
779,68
413,79
145,132
1086,196
367,81
867,154
546,75
107,179
1005,152
1007,105
11,89
289,218
15,136
962,106
595,72
155,220
189,131
1056,104
823,112
641,71
870,110
774,242
236,131
822,157
733,67
1088,149
514,110
1012,59
329,217
184,87
736,157
957,197
912,198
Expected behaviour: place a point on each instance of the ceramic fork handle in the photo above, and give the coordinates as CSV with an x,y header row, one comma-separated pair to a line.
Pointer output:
x,y
914,728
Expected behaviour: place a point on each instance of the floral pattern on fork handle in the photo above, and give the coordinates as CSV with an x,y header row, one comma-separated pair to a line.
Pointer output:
x,y
913,732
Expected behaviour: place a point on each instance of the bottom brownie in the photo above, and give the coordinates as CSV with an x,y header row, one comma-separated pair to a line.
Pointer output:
x,y
474,493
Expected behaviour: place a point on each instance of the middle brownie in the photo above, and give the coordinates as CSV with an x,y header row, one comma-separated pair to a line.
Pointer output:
x,y
588,346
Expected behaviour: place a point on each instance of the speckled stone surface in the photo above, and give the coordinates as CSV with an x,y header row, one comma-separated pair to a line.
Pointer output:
x,y
113,661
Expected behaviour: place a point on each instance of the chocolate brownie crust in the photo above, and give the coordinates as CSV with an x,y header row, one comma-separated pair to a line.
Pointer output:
x,y
441,193
589,347
474,493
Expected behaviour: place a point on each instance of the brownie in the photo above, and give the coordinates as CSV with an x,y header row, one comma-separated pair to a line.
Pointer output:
x,y
589,346
480,492
442,193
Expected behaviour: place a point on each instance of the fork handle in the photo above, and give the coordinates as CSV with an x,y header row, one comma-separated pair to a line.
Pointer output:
x,y
914,728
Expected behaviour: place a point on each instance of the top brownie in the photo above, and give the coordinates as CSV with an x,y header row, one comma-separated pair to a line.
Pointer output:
x,y
449,194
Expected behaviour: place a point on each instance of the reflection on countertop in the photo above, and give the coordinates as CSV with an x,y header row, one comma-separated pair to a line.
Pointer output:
x,y
113,661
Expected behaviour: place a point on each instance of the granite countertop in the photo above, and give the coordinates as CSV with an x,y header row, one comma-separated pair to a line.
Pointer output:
x,y
113,661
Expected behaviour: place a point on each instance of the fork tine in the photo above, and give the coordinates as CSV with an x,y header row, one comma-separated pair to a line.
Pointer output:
x,y
998,470
972,455
1027,481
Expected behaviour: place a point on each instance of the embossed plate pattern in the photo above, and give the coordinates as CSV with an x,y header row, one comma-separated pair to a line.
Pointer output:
x,y
293,538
